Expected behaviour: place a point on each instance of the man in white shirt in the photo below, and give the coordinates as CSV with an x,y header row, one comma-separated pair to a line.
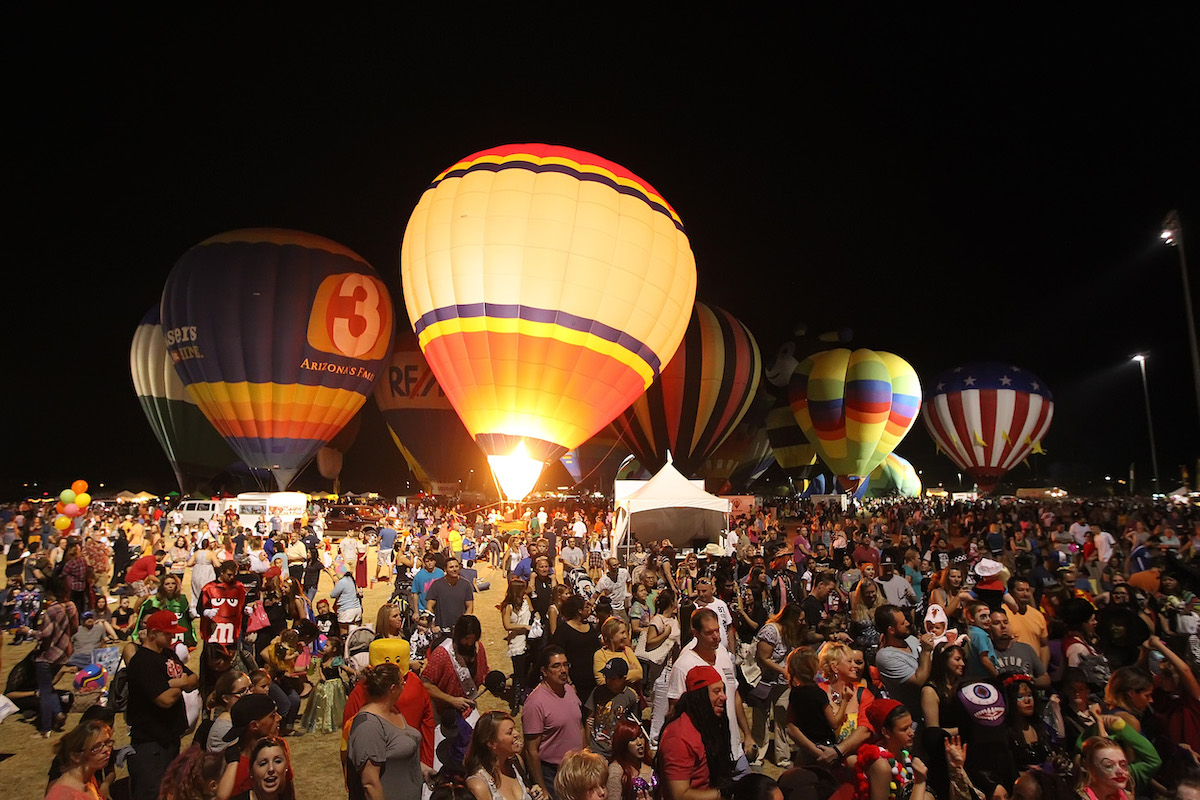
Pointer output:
x,y
1104,546
542,518
706,598
614,584
579,527
706,648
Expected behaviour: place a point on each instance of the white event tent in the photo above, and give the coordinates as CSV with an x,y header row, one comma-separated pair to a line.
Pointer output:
x,y
668,506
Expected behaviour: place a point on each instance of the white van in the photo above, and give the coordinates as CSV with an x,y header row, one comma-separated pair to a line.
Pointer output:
x,y
289,505
197,513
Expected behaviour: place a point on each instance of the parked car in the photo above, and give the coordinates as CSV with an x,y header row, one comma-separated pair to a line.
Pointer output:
x,y
340,519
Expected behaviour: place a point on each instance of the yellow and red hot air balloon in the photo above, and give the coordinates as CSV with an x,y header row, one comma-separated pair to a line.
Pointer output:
x,y
547,288
855,407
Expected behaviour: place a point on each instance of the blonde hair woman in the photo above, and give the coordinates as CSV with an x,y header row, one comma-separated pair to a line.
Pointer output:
x,y
582,775
847,692
614,635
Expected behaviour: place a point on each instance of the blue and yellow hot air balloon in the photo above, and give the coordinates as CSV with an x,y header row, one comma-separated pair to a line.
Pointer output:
x,y
192,445
703,393
547,287
279,336
855,407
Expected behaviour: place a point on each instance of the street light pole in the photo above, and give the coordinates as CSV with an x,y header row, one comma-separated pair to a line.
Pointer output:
x,y
1172,234
1141,359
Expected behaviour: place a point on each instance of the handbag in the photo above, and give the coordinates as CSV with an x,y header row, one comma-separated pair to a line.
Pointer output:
x,y
258,618
748,658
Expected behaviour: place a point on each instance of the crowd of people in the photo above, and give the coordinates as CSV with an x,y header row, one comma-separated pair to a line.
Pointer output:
x,y
907,649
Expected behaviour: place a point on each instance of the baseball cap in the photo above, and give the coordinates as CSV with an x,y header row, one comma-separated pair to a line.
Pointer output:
x,y
703,675
249,708
615,668
164,621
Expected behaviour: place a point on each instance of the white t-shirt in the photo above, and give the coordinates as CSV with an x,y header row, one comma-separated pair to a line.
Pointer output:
x,y
579,528
1104,546
1079,532
675,687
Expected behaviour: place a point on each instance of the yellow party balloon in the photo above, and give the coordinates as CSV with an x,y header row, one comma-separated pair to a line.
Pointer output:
x,y
62,523
83,499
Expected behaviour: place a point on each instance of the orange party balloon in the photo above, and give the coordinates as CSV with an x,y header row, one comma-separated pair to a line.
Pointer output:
x,y
79,487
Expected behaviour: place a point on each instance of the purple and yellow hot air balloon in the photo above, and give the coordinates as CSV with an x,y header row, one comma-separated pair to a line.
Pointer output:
x,y
547,288
855,407
279,336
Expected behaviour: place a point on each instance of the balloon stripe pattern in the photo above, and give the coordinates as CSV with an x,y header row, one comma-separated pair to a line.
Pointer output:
x,y
193,447
794,453
280,337
547,287
988,417
855,407
701,396
894,476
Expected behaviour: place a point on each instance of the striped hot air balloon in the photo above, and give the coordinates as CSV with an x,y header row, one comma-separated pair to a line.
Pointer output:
x,y
701,396
192,445
279,336
988,417
895,476
793,452
547,287
855,407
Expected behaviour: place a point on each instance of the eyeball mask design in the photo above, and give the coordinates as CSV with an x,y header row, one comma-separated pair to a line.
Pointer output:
x,y
983,702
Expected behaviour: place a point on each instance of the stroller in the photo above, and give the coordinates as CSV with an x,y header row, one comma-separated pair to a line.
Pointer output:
x,y
580,583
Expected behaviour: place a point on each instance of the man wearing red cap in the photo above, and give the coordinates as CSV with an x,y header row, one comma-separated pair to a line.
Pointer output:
x,y
156,713
695,766
706,649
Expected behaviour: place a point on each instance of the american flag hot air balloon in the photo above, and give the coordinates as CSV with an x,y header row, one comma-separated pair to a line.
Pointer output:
x,y
988,417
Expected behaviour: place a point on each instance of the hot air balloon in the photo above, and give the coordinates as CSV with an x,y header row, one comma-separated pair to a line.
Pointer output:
x,y
855,407
793,452
895,476
702,395
988,417
421,420
547,287
280,337
192,445
331,457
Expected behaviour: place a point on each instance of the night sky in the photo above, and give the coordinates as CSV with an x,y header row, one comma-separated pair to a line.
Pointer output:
x,y
968,189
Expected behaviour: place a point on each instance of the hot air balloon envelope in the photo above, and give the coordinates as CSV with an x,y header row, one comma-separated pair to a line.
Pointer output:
x,y
547,288
280,337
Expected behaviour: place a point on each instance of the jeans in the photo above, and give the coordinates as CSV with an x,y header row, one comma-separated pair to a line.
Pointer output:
x,y
549,771
147,766
48,701
288,703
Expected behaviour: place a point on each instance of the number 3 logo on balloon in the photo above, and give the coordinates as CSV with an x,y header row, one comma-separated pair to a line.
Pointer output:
x,y
364,317
351,317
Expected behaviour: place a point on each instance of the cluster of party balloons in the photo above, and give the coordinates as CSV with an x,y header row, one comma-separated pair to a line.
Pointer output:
x,y
72,503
